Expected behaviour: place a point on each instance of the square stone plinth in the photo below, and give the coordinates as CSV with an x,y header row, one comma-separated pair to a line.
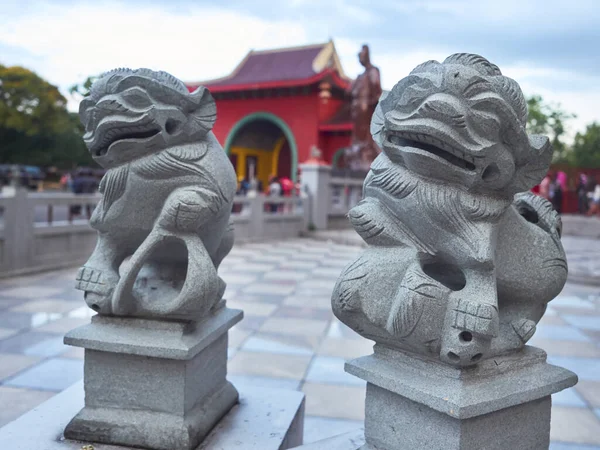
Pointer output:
x,y
263,419
418,404
394,422
153,384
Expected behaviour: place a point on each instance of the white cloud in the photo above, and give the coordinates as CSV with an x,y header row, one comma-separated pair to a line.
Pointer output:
x,y
393,66
66,44
533,80
560,88
582,103
534,15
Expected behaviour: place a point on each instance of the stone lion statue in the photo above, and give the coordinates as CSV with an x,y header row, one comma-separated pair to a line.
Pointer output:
x,y
461,263
166,197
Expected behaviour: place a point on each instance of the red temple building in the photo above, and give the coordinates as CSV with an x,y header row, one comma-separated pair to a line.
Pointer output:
x,y
277,105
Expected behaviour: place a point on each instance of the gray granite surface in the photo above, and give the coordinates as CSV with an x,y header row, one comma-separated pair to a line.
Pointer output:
x,y
264,419
166,197
460,266
461,261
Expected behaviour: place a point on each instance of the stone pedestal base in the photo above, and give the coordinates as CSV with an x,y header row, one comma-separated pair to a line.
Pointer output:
x,y
353,440
153,384
395,422
263,419
415,404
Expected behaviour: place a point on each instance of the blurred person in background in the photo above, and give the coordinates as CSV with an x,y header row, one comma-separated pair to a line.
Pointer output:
x,y
274,191
582,194
557,189
66,182
244,185
84,182
544,189
594,201
591,186
287,188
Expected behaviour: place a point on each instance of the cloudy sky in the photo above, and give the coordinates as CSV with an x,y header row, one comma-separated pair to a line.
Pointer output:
x,y
551,47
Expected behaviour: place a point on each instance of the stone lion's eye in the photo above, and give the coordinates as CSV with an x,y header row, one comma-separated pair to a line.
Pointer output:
x,y
137,99
476,86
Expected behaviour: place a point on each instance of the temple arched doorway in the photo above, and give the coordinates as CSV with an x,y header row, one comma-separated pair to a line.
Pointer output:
x,y
262,144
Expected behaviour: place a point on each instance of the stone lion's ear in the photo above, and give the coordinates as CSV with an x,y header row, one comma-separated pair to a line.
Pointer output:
x,y
377,121
204,112
86,103
533,172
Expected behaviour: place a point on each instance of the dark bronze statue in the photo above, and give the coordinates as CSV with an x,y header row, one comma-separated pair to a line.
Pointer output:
x,y
365,92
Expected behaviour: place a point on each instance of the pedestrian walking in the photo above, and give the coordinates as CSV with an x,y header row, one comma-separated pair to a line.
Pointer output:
x,y
595,202
557,189
84,182
582,194
544,189
274,191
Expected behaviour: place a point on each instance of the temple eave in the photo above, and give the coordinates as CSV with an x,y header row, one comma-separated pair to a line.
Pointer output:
x,y
331,76
336,127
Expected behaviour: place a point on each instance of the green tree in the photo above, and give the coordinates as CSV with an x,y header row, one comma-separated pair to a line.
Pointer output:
x,y
550,120
83,89
35,126
30,104
586,148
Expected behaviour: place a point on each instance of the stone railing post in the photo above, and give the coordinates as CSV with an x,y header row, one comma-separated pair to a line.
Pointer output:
x,y
18,228
257,216
315,180
305,201
461,263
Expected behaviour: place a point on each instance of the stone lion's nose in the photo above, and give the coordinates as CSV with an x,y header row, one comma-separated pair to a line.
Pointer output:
x,y
463,348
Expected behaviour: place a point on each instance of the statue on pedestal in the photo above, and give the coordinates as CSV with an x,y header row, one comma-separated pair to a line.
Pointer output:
x,y
365,92
156,353
460,266
440,203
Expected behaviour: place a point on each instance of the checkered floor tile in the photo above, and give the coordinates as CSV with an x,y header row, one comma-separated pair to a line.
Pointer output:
x,y
289,339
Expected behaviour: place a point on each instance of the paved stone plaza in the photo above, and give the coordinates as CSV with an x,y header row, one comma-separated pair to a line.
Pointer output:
x,y
584,264
288,339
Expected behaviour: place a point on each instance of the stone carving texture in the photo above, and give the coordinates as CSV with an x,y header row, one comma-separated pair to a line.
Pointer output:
x,y
461,262
167,197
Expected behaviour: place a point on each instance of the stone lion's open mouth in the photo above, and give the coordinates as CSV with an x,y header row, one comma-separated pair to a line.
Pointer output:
x,y
433,146
121,134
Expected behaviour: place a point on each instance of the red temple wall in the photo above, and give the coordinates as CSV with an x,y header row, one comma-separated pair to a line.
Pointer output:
x,y
330,143
329,107
300,113
284,162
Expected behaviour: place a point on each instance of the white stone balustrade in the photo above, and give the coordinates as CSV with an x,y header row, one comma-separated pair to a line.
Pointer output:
x,y
38,232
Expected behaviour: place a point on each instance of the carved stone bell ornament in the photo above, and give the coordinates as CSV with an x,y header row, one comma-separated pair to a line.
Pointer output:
x,y
461,262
